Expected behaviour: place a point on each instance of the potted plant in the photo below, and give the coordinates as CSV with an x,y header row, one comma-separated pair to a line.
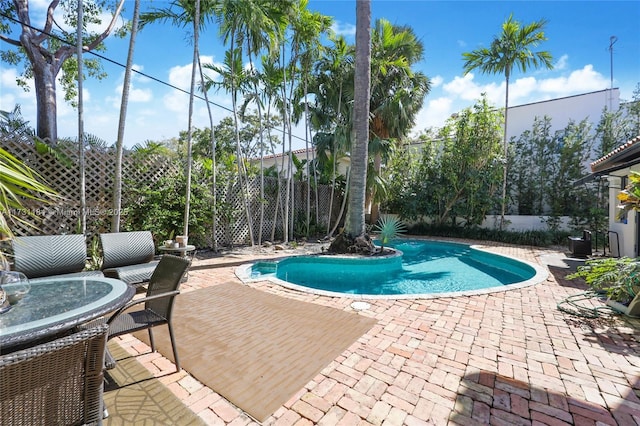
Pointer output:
x,y
618,278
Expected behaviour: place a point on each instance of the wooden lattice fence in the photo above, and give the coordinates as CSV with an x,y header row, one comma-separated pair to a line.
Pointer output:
x,y
236,230
61,172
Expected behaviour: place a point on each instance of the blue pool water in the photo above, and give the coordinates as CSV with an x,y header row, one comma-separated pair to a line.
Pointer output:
x,y
422,267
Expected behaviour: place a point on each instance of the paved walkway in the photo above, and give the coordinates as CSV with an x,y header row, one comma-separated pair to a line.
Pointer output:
x,y
507,358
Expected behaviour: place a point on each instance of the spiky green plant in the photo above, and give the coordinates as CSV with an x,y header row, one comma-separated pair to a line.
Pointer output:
x,y
619,278
389,228
17,182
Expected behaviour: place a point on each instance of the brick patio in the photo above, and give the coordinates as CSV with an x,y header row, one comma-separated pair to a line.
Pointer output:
x,y
506,358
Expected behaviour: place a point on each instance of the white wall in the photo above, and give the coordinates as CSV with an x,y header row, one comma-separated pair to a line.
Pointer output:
x,y
627,232
562,110
524,223
514,223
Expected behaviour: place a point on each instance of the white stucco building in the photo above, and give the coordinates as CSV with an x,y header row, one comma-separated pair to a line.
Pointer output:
x,y
562,110
615,167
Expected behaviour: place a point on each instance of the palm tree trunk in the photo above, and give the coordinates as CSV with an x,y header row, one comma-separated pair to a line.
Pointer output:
x,y
285,127
260,130
194,64
334,154
506,153
117,180
355,225
214,168
307,132
81,159
375,206
342,205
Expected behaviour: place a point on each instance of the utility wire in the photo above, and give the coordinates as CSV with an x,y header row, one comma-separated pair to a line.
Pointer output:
x,y
157,80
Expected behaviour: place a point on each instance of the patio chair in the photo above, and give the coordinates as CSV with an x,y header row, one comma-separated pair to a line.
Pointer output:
x,y
58,382
158,305
51,255
128,256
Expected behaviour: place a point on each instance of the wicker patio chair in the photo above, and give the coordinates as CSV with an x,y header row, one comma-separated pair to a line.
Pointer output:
x,y
47,255
55,383
158,305
128,256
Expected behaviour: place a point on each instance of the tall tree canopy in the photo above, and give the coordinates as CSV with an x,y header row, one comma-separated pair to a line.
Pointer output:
x,y
50,49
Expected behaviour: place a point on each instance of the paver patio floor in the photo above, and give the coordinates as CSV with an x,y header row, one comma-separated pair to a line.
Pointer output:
x,y
506,358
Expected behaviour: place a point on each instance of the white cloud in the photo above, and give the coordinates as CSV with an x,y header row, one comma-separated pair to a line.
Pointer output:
x,y
140,95
579,81
180,76
562,63
343,28
105,18
434,114
436,81
521,89
465,88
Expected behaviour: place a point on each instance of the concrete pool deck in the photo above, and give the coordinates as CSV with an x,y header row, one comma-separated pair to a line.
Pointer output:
x,y
505,358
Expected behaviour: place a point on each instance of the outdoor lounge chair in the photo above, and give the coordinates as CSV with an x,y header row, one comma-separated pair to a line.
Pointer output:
x,y
128,256
59,382
158,305
51,255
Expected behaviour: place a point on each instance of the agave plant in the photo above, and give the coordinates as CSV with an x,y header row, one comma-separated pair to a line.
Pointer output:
x,y
389,228
630,196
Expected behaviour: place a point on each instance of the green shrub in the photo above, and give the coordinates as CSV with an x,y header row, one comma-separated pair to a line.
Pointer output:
x,y
527,238
160,209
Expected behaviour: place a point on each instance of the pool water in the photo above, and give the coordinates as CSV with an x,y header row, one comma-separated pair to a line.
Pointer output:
x,y
422,267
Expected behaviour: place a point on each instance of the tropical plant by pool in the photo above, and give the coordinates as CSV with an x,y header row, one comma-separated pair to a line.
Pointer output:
x,y
420,268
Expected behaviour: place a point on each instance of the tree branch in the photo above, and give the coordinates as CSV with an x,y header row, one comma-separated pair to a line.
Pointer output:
x,y
107,31
10,40
48,24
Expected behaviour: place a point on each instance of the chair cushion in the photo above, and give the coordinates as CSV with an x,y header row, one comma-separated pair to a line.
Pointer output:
x,y
132,274
44,255
126,248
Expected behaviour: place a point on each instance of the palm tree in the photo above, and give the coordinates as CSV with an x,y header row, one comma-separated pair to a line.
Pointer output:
x,y
258,24
307,27
355,225
233,79
81,142
197,14
331,113
397,92
271,78
192,90
512,47
262,26
17,183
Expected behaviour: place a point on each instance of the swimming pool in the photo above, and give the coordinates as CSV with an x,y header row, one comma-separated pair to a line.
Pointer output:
x,y
420,268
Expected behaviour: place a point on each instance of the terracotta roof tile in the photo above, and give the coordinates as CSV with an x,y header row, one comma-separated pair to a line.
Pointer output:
x,y
295,152
616,151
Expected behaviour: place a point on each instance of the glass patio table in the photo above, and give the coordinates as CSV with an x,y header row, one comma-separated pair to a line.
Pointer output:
x,y
56,305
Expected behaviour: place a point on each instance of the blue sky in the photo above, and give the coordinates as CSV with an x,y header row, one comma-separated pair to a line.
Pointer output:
x,y
579,34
